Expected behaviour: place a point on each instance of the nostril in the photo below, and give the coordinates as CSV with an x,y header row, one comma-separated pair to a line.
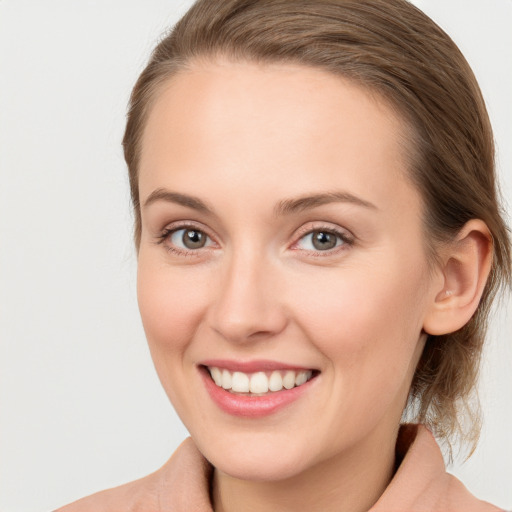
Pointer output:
x,y
246,332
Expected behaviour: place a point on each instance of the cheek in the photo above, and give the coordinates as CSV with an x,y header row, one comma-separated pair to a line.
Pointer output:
x,y
171,301
368,327
371,303
366,322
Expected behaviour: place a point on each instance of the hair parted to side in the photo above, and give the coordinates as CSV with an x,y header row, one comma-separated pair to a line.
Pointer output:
x,y
395,50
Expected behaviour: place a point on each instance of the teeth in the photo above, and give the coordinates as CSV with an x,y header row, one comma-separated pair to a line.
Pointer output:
x,y
216,376
275,382
226,379
289,380
259,382
240,382
301,378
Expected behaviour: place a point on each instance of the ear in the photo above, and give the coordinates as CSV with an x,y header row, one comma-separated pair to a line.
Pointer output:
x,y
465,267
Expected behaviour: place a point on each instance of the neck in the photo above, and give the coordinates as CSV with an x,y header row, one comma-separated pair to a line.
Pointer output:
x,y
348,482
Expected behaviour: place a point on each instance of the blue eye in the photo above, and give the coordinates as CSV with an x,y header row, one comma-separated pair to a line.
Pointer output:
x,y
321,240
189,239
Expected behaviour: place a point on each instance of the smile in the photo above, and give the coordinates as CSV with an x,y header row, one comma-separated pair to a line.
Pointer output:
x,y
258,383
255,389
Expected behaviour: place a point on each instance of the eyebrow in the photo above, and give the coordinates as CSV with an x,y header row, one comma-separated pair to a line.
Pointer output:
x,y
289,206
283,208
162,194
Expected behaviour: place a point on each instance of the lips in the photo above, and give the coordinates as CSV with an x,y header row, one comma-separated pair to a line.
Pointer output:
x,y
254,389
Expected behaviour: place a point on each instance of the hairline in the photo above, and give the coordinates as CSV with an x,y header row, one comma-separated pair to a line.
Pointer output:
x,y
408,136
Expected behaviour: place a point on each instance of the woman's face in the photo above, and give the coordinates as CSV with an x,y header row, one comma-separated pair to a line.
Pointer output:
x,y
281,242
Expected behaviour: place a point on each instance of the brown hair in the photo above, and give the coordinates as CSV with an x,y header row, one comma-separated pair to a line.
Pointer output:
x,y
392,48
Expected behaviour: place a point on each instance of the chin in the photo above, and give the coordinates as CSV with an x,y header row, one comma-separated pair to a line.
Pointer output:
x,y
256,459
256,468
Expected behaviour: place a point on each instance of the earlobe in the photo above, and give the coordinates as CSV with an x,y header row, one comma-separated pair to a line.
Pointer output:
x,y
466,263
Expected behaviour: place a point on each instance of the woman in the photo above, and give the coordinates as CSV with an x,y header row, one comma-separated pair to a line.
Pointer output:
x,y
319,242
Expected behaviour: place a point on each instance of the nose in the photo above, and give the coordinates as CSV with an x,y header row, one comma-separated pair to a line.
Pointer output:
x,y
248,305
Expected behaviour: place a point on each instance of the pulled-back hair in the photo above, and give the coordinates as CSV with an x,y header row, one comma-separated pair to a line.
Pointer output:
x,y
393,49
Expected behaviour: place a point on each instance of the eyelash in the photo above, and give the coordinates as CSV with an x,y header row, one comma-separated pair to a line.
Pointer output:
x,y
346,240
168,232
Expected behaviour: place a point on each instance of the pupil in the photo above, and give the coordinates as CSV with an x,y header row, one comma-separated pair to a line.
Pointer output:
x,y
193,239
323,240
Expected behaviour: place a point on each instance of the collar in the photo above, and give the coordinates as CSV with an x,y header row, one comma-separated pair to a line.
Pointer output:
x,y
420,484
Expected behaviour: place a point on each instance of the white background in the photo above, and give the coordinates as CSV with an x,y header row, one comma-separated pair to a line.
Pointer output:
x,y
81,408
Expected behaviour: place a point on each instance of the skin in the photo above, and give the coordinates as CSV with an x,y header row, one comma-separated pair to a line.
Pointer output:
x,y
251,142
259,290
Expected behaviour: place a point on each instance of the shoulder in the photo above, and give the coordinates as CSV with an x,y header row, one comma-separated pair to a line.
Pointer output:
x,y
457,497
137,496
421,483
180,485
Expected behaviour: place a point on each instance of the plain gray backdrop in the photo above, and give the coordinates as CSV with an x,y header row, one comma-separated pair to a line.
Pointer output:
x,y
81,408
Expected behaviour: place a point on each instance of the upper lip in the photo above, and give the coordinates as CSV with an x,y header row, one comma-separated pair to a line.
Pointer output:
x,y
251,366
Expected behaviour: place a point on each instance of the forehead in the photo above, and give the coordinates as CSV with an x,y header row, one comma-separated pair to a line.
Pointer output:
x,y
283,126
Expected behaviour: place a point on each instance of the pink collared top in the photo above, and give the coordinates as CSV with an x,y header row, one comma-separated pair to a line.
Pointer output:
x,y
420,484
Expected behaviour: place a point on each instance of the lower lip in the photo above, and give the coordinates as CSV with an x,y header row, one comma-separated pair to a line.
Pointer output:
x,y
252,406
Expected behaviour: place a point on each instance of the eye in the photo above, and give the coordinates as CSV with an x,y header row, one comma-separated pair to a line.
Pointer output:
x,y
321,240
184,239
189,238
